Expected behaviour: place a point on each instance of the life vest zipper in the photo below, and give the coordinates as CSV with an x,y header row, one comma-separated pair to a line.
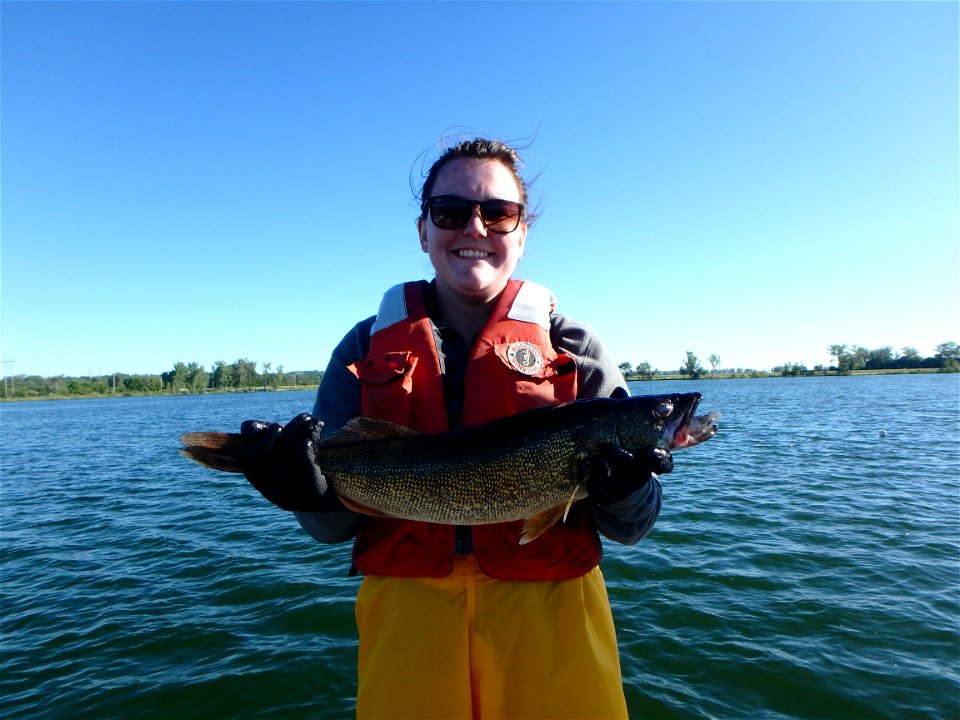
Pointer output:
x,y
463,541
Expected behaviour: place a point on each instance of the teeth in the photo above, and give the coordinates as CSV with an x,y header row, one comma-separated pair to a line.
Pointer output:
x,y
472,254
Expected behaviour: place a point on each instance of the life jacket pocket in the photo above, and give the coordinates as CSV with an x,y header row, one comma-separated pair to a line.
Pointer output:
x,y
387,381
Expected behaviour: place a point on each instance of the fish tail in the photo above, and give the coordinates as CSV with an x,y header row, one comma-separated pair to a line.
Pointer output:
x,y
217,450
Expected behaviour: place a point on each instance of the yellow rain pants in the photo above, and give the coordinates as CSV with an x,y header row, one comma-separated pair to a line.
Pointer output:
x,y
469,646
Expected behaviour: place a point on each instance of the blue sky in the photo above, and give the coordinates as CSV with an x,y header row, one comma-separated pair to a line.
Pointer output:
x,y
210,181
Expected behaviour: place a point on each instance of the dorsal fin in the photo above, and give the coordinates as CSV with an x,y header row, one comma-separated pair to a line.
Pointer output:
x,y
361,429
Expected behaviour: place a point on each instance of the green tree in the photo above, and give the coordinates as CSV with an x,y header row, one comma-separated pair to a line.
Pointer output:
x,y
691,366
176,379
714,361
222,376
626,368
134,383
949,355
948,351
307,377
880,358
790,369
859,361
77,386
909,357
244,373
644,370
839,352
197,377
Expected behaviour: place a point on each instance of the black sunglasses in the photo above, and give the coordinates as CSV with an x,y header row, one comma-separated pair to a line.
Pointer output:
x,y
452,212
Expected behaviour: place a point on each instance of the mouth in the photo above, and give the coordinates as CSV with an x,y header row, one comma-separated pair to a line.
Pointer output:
x,y
676,431
695,430
472,254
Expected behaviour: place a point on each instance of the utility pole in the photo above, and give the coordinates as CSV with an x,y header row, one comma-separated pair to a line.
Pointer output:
x,y
6,372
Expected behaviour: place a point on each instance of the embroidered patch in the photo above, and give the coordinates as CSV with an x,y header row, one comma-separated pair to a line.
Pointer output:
x,y
525,358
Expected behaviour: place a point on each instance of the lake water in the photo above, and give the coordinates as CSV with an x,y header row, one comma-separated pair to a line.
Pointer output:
x,y
804,565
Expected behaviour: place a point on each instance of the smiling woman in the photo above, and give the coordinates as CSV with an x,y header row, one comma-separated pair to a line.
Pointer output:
x,y
471,346
473,254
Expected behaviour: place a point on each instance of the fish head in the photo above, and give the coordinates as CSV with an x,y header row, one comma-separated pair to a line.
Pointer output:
x,y
664,421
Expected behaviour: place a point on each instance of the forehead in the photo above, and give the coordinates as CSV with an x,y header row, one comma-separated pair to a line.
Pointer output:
x,y
477,180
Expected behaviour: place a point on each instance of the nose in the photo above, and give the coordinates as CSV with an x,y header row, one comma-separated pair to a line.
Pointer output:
x,y
475,226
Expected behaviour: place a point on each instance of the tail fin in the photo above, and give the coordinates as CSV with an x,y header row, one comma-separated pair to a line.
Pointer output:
x,y
217,450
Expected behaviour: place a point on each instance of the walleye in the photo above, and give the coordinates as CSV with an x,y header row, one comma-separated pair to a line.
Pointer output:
x,y
530,466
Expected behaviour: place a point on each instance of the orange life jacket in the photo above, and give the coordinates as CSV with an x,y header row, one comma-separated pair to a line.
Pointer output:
x,y
512,367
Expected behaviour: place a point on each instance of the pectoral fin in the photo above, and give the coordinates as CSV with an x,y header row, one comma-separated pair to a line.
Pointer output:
x,y
535,526
573,496
361,508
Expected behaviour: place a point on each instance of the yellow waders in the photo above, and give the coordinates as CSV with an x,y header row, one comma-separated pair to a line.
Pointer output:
x,y
469,646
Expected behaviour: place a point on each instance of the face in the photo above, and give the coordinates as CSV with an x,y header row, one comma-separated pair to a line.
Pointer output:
x,y
473,264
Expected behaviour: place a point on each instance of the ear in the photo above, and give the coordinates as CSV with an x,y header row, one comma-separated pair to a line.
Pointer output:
x,y
422,231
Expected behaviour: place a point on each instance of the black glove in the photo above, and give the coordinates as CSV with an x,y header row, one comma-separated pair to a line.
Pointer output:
x,y
279,463
615,474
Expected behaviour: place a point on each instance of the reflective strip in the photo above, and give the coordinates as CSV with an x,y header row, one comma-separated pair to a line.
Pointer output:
x,y
533,304
393,309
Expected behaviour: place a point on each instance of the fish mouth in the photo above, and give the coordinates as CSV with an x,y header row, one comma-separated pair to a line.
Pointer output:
x,y
690,430
685,429
675,433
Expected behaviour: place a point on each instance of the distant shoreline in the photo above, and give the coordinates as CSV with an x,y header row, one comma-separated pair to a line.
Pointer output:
x,y
706,376
208,391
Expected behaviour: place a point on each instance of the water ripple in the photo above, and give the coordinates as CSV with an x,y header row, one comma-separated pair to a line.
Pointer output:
x,y
804,565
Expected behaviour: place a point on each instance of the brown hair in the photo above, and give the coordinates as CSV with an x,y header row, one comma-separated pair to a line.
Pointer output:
x,y
478,149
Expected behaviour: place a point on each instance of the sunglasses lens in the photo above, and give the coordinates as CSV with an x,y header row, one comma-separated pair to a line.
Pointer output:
x,y
500,215
450,212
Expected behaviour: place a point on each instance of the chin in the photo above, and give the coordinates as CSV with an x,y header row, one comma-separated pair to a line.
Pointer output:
x,y
483,294
478,287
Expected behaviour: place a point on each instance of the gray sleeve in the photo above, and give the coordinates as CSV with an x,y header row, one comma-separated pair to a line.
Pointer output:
x,y
338,400
597,373
630,519
338,397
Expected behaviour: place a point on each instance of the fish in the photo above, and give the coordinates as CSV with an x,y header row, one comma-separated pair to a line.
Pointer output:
x,y
530,466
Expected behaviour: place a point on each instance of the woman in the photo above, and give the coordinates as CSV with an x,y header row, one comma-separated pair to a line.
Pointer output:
x,y
463,621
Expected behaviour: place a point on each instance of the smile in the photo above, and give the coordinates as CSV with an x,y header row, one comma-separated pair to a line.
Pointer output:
x,y
473,254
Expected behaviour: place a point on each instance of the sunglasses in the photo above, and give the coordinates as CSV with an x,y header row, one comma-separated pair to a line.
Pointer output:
x,y
451,212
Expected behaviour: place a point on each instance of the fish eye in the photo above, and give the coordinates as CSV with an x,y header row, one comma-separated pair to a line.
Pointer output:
x,y
663,410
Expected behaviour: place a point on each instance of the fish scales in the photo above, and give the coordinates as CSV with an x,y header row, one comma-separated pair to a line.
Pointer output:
x,y
516,467
428,477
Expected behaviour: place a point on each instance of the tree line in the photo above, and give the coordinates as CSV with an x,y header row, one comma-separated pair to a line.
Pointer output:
x,y
847,358
885,358
191,377
242,375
